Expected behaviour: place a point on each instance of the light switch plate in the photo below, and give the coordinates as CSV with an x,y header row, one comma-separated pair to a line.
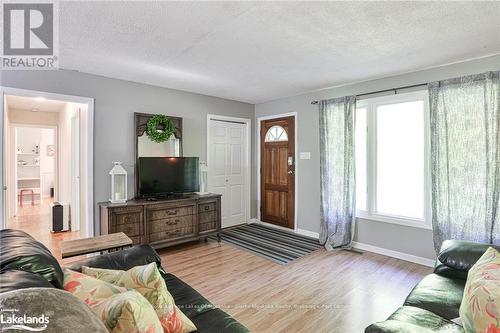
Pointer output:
x,y
305,155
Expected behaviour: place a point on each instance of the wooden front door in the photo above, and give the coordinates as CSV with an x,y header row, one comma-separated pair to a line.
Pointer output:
x,y
277,146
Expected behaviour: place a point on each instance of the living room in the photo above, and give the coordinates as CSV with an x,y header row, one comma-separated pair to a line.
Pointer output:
x,y
325,155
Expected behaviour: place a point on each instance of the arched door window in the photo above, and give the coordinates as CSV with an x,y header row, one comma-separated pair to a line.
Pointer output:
x,y
276,134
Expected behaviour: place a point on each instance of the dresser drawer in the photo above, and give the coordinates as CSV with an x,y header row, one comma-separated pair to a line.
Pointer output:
x,y
207,207
127,215
207,216
133,229
208,226
172,234
172,223
165,213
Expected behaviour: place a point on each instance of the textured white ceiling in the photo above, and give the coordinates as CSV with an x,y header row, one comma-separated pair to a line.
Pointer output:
x,y
31,104
259,51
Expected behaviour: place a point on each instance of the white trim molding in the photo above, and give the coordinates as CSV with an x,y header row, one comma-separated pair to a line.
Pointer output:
x,y
297,231
308,233
394,254
407,222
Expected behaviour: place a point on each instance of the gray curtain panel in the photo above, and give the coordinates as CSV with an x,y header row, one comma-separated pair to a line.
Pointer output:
x,y
465,148
337,171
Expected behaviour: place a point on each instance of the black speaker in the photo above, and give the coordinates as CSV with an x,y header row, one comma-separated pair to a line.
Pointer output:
x,y
57,217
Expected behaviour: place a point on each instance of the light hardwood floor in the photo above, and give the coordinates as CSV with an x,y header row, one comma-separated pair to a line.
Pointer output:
x,y
338,292
323,292
35,220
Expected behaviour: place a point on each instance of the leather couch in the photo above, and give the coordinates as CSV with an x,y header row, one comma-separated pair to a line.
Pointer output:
x,y
435,301
25,263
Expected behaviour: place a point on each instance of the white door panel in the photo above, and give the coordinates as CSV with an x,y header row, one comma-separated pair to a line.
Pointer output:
x,y
236,203
227,169
219,164
222,190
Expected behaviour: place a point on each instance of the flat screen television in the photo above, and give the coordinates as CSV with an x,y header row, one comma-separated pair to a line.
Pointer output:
x,y
161,176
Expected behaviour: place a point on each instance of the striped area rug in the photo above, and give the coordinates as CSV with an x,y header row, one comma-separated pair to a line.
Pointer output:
x,y
274,244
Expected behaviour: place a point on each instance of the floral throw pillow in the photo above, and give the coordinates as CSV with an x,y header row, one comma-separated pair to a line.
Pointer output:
x,y
480,308
148,281
121,310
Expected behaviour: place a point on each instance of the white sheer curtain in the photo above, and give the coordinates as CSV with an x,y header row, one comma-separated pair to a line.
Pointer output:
x,y
465,158
337,171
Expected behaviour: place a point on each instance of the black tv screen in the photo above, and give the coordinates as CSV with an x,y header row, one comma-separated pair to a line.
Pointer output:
x,y
160,176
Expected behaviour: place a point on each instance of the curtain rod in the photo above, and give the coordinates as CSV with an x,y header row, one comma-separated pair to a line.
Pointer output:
x,y
385,90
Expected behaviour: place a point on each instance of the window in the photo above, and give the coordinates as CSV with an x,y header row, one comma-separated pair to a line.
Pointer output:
x,y
275,134
391,159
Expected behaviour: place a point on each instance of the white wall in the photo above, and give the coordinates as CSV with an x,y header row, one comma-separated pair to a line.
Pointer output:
x,y
27,138
29,117
64,150
47,163
404,239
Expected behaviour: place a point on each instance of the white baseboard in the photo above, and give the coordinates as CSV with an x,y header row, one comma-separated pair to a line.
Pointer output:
x,y
270,225
307,233
297,231
394,254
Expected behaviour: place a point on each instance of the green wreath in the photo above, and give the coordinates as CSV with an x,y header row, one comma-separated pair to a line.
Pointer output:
x,y
160,128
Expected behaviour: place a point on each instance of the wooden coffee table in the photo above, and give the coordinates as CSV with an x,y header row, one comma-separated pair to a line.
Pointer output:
x,y
78,247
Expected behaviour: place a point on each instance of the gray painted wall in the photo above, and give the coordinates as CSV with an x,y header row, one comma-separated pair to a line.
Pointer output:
x,y
414,241
115,104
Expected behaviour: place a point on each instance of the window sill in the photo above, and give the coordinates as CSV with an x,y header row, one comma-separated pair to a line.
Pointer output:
x,y
394,220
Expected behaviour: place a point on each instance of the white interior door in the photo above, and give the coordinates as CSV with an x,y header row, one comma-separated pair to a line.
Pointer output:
x,y
75,173
227,169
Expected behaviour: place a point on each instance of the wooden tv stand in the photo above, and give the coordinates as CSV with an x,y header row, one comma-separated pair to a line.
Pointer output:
x,y
164,222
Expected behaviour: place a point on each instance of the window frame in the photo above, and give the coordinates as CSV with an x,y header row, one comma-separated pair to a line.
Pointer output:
x,y
371,104
278,138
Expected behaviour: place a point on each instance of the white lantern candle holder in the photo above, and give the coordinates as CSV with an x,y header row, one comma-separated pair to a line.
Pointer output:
x,y
118,183
203,178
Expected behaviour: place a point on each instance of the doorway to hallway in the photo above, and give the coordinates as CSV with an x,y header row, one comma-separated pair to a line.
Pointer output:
x,y
46,155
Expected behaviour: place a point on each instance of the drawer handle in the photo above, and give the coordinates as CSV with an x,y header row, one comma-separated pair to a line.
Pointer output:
x,y
173,232
173,222
127,219
172,212
207,207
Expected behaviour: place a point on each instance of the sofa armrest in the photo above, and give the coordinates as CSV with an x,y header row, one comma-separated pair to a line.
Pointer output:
x,y
121,260
460,256
449,272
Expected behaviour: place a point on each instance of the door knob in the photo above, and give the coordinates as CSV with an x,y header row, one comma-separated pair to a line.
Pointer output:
x,y
290,172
